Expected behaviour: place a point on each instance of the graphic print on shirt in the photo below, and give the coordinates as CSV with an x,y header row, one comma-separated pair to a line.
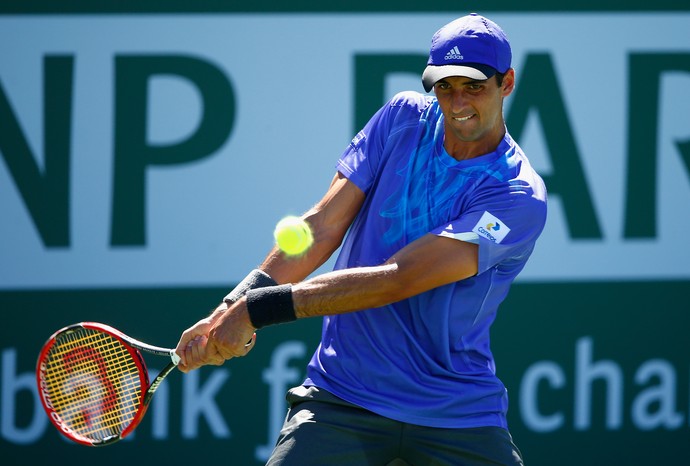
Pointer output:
x,y
428,188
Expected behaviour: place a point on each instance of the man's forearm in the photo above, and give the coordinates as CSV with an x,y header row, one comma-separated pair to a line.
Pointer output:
x,y
347,291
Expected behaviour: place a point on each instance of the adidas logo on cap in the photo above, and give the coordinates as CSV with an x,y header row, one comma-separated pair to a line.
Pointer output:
x,y
453,54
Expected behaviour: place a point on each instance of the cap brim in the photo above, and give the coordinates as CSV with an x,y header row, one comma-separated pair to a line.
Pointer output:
x,y
432,74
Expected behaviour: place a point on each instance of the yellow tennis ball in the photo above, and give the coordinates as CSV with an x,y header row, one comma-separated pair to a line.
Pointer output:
x,y
293,235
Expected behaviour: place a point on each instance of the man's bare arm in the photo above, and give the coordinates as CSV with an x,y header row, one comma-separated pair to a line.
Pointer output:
x,y
427,263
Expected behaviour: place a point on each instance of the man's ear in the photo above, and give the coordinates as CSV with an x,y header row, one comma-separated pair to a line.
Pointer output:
x,y
508,82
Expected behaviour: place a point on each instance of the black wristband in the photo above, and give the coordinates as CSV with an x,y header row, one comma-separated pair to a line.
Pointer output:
x,y
256,279
271,305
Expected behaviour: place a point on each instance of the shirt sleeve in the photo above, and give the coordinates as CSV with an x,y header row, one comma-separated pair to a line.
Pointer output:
x,y
505,221
362,158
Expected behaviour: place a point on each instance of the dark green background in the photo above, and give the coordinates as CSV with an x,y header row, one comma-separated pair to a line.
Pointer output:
x,y
310,6
629,323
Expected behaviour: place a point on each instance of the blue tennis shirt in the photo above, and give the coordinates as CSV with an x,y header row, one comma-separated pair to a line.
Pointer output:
x,y
426,360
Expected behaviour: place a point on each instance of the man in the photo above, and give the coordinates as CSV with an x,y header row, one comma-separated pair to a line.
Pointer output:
x,y
441,210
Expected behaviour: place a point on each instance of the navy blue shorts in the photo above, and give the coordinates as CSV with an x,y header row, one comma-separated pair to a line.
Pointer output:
x,y
323,430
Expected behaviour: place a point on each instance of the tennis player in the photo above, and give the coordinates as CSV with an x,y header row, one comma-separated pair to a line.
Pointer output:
x,y
438,210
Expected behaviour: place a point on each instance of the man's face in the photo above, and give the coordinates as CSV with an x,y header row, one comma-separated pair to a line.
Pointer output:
x,y
473,109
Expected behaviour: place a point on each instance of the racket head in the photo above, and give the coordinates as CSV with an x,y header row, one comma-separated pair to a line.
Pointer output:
x,y
91,383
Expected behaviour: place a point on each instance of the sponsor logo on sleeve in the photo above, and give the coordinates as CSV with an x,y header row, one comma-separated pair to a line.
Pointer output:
x,y
491,228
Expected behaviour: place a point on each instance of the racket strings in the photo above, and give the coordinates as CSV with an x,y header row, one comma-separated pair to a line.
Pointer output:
x,y
93,383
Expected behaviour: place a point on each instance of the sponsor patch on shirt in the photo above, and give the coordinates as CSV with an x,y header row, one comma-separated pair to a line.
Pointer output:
x,y
491,228
358,139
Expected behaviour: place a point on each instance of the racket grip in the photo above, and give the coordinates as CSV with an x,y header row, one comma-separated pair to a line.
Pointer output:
x,y
174,357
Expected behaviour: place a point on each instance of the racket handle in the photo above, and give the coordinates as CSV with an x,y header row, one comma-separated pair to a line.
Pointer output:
x,y
174,357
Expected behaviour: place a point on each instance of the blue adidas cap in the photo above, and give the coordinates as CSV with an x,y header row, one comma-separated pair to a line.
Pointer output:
x,y
471,46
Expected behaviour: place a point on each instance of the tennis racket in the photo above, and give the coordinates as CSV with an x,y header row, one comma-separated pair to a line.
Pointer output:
x,y
93,382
